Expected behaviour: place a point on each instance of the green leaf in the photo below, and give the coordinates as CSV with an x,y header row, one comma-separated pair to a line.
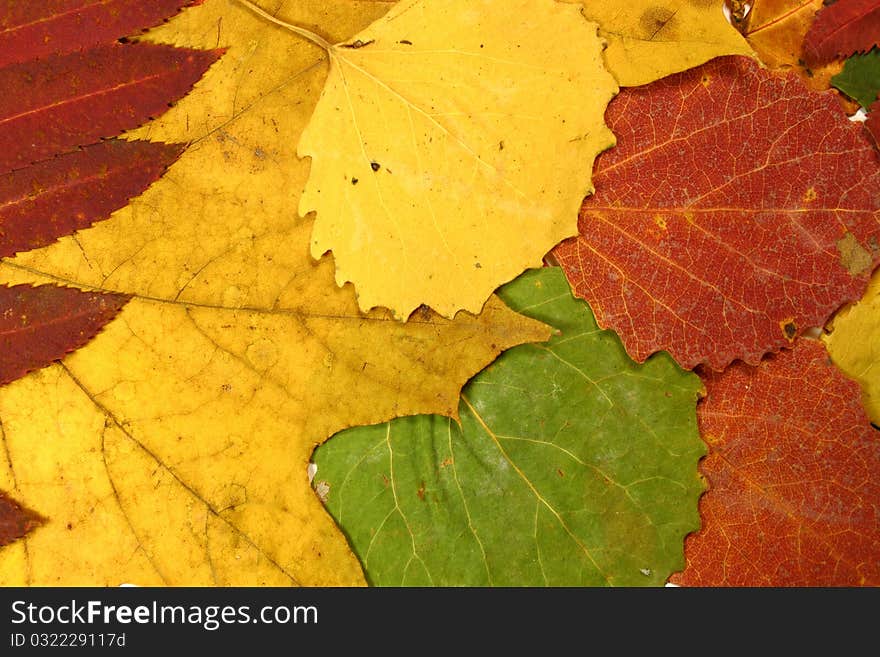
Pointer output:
x,y
571,465
860,77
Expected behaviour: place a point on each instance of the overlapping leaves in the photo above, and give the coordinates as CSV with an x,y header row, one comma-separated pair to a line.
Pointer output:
x,y
552,475
177,441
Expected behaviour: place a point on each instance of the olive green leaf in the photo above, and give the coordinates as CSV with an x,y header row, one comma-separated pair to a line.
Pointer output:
x,y
860,77
571,465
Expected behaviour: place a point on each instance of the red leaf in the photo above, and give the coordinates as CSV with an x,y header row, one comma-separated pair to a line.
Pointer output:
x,y
15,521
738,209
841,29
794,478
30,29
873,122
39,325
52,105
57,197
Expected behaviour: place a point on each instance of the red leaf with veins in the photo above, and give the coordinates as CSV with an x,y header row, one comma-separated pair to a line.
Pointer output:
x,y
39,325
65,194
53,105
15,521
841,29
737,210
794,478
30,29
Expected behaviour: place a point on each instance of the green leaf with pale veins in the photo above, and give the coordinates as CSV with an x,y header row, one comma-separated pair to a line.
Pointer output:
x,y
571,465
860,78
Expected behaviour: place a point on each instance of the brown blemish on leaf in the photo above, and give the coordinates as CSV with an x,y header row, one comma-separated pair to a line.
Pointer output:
x,y
421,492
447,462
789,328
15,520
655,20
810,195
853,256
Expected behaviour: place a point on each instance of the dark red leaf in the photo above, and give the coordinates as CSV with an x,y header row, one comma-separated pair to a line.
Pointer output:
x,y
794,477
738,209
39,325
35,28
56,197
15,521
841,29
52,105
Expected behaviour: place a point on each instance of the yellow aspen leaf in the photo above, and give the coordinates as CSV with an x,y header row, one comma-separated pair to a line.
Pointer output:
x,y
452,147
853,341
650,39
173,449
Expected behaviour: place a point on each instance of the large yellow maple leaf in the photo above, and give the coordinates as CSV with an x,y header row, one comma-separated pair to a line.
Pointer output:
x,y
173,449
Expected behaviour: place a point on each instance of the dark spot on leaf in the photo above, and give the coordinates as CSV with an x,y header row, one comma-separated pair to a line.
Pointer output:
x,y
421,492
405,42
354,181
375,166
357,44
656,19
560,472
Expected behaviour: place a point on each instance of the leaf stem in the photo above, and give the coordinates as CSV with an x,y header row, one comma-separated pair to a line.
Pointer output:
x,y
301,31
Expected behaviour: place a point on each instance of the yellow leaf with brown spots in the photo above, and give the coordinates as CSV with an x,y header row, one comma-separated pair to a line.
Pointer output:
x,y
650,39
173,449
853,341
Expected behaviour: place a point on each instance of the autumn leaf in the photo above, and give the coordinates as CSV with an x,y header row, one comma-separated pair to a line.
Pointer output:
x,y
776,230
58,196
31,30
841,29
571,466
792,468
15,521
76,99
179,438
776,30
853,341
650,39
452,147
53,179
860,78
43,324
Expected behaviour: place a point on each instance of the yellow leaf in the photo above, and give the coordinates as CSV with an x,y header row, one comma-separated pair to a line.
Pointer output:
x,y
853,340
650,39
453,146
173,449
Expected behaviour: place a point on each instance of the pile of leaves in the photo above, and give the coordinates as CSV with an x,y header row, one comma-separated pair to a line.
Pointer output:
x,y
445,293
